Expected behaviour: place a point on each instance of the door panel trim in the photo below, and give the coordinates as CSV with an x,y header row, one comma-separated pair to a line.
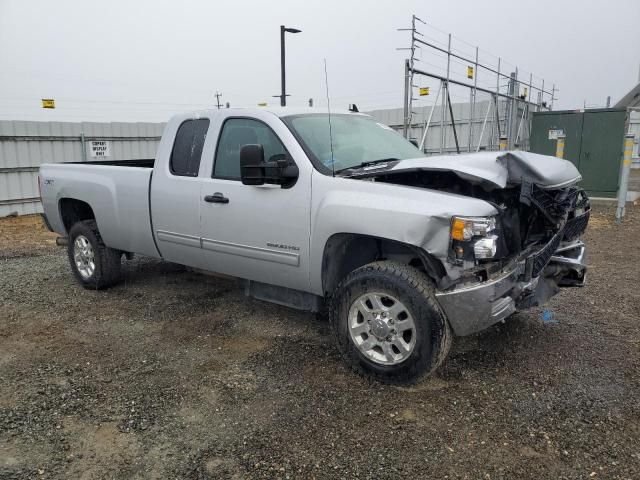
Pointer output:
x,y
265,254
179,238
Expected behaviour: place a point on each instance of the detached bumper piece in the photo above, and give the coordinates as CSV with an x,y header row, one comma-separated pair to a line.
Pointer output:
x,y
569,263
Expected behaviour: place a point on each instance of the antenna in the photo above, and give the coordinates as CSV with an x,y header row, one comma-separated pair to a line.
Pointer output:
x,y
218,95
326,82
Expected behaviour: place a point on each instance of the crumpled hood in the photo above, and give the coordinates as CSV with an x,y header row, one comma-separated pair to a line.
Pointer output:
x,y
493,169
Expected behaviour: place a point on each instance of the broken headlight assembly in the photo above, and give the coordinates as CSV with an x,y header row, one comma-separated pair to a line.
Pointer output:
x,y
473,239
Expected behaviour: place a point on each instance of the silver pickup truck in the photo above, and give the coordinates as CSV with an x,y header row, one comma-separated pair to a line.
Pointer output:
x,y
335,211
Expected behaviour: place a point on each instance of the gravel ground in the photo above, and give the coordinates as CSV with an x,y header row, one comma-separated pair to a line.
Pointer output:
x,y
174,374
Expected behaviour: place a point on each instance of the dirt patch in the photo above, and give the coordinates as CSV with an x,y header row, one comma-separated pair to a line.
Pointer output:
x,y
25,235
173,374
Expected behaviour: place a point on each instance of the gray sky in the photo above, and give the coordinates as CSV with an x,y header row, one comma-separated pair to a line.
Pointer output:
x,y
144,60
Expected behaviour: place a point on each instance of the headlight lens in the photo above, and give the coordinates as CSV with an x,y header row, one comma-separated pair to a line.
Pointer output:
x,y
473,238
485,247
465,228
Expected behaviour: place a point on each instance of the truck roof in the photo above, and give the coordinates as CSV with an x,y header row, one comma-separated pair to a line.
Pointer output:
x,y
280,111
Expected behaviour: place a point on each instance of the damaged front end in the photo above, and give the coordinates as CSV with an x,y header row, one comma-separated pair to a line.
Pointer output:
x,y
544,254
521,257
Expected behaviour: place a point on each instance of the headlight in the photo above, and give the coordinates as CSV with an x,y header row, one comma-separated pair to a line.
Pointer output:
x,y
473,238
485,247
465,228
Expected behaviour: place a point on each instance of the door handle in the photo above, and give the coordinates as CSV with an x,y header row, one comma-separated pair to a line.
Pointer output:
x,y
216,198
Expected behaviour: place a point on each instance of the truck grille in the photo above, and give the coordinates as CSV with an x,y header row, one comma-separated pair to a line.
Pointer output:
x,y
539,260
576,226
554,204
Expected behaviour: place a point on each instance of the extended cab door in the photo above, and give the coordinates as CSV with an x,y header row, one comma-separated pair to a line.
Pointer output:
x,y
256,232
175,191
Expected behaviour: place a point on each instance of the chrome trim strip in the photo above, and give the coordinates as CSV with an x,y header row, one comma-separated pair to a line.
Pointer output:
x,y
265,254
571,246
569,261
179,238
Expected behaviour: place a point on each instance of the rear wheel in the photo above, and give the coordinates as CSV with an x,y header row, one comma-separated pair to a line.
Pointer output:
x,y
388,324
93,264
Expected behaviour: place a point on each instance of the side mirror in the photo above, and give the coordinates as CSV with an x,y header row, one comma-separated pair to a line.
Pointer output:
x,y
252,165
414,143
278,170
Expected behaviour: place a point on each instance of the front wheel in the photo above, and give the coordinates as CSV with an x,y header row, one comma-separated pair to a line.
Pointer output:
x,y
93,264
388,324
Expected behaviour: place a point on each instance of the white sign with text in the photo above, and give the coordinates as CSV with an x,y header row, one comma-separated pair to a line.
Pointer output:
x,y
100,148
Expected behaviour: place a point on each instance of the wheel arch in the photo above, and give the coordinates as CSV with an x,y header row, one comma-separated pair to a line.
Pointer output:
x,y
73,210
345,252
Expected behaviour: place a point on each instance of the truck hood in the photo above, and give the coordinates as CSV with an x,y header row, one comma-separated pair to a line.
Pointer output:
x,y
492,170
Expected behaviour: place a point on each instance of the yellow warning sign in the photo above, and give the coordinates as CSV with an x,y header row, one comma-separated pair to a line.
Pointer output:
x,y
424,91
48,103
469,72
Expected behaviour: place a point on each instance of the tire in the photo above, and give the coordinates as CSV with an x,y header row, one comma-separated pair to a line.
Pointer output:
x,y
406,296
94,265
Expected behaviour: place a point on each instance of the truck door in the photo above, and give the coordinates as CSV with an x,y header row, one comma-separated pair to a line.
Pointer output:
x,y
175,193
261,232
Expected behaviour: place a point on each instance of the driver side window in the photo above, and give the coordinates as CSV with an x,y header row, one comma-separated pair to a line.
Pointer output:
x,y
237,132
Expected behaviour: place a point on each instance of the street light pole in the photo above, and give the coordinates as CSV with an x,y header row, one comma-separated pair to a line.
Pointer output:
x,y
283,80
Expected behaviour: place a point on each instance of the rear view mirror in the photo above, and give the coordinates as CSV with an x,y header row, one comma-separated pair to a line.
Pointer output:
x,y
279,170
252,165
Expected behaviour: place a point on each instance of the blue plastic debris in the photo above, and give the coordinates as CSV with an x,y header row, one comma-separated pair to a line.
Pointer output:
x,y
548,317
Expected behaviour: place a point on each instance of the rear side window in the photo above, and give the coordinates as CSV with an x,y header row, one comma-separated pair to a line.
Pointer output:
x,y
187,148
237,132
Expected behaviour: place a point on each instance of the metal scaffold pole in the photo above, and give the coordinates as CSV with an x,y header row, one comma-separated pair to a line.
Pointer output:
x,y
472,100
407,87
408,78
445,101
484,124
513,110
428,122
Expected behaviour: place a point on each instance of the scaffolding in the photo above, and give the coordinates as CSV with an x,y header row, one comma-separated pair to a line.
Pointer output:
x,y
504,112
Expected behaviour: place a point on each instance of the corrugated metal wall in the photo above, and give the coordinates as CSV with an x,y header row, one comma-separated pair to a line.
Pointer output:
x,y
394,117
24,146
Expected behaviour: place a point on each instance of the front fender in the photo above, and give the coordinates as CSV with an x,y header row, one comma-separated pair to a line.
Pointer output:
x,y
414,216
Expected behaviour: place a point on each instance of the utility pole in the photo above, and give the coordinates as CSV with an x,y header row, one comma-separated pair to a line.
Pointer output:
x,y
218,104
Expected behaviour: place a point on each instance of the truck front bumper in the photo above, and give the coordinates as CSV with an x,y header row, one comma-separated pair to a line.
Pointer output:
x,y
473,308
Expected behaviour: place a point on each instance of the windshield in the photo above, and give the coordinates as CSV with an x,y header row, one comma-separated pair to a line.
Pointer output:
x,y
355,139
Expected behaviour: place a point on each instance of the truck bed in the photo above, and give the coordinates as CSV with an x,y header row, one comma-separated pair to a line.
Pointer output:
x,y
116,191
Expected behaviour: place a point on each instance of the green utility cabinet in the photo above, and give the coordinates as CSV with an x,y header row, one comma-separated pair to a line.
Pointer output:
x,y
593,143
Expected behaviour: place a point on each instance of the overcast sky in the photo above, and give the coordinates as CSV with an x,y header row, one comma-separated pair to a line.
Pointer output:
x,y
144,60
